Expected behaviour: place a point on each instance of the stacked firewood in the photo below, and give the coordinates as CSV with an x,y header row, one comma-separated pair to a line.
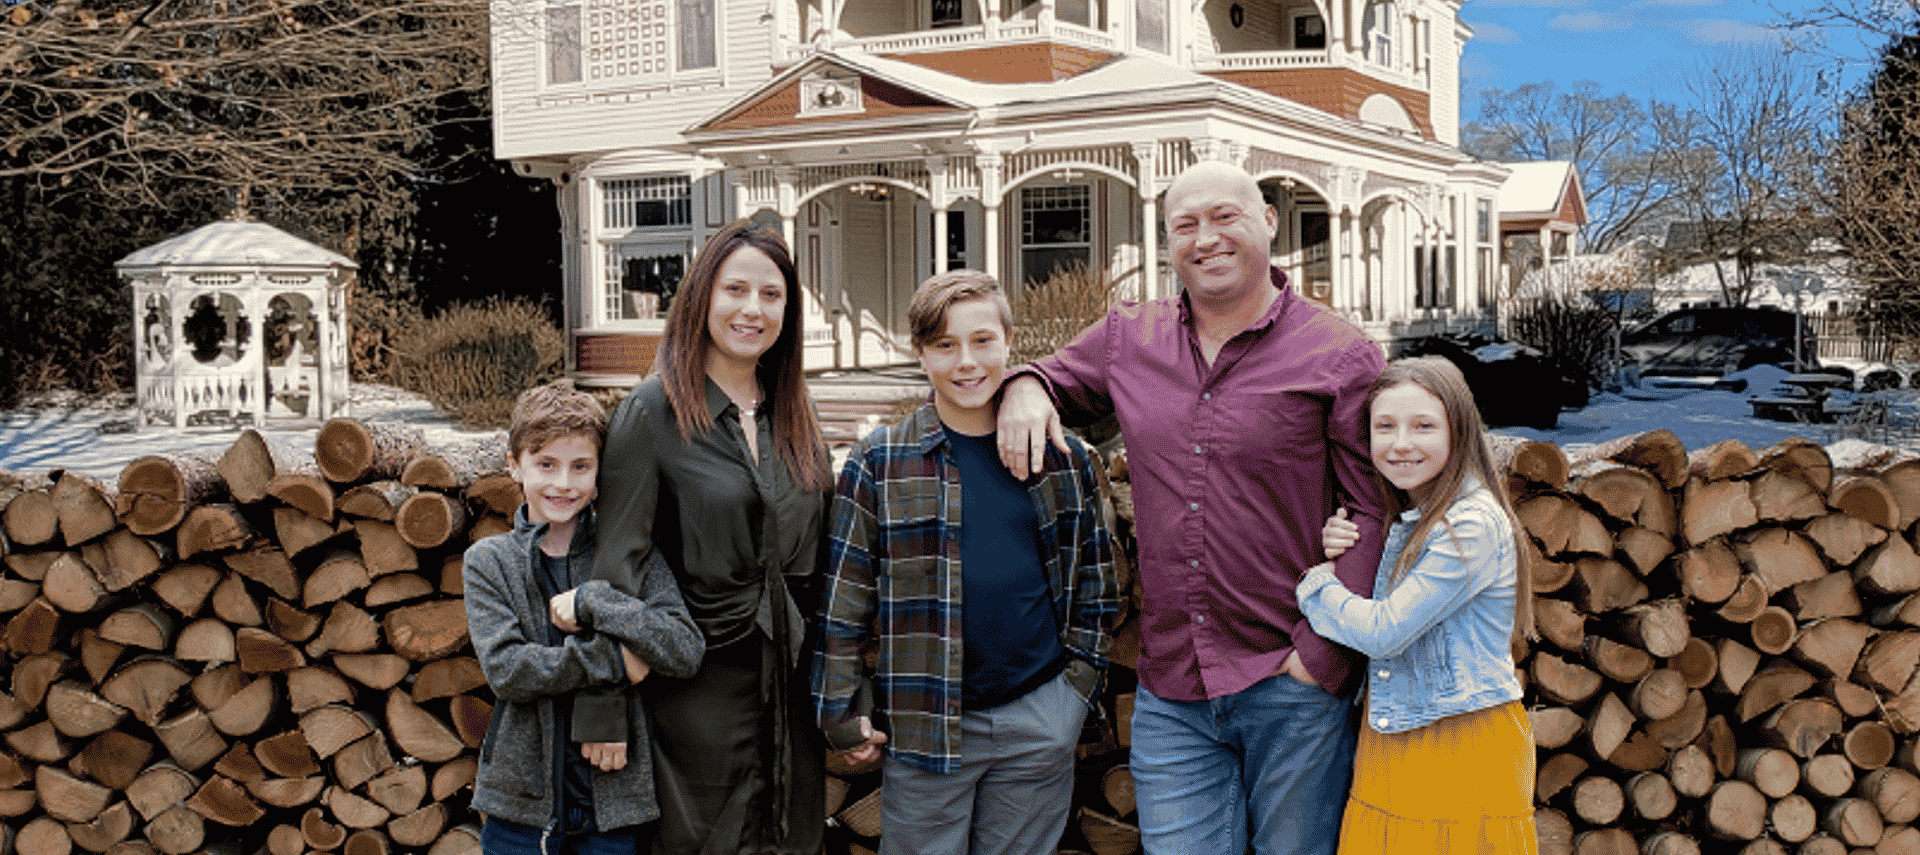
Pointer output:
x,y
260,652
1727,649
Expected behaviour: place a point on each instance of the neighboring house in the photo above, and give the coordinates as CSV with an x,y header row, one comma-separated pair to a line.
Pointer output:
x,y
1797,265
891,139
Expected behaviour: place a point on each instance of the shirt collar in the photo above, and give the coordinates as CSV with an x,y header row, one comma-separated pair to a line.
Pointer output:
x,y
1468,487
717,400
1280,304
924,422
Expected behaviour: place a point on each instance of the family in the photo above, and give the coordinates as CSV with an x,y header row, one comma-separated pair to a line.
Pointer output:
x,y
691,617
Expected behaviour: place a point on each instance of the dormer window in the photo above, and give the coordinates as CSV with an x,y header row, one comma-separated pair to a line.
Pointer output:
x,y
947,13
1378,26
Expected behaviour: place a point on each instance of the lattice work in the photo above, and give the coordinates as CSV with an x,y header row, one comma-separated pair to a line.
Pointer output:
x,y
1118,158
914,173
653,200
763,189
1262,162
628,39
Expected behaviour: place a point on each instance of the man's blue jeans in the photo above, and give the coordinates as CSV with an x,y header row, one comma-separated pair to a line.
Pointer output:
x,y
1270,765
506,837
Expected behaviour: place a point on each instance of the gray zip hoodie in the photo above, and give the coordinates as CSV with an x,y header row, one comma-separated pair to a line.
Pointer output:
x,y
519,765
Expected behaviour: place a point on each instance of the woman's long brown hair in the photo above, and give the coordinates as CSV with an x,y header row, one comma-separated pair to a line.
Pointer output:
x,y
682,360
1467,455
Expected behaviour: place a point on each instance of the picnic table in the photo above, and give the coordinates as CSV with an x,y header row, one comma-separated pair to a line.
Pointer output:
x,y
1805,399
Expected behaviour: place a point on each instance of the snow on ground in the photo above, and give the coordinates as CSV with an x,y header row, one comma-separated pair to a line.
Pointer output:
x,y
1702,418
66,432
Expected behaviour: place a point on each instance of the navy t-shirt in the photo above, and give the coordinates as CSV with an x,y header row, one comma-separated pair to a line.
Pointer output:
x,y
1011,637
574,808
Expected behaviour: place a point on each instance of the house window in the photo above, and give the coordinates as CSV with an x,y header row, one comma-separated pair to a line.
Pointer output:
x,y
1483,220
656,200
1309,32
641,281
1055,230
1150,24
1378,26
947,13
1483,234
696,34
563,44
1316,258
1074,12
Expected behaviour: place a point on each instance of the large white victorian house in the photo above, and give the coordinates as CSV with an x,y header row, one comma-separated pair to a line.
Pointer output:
x,y
890,139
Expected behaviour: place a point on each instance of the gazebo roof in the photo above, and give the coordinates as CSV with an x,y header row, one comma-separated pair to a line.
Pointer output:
x,y
231,242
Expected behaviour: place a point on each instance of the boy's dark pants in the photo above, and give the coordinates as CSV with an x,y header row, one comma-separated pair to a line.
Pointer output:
x,y
506,837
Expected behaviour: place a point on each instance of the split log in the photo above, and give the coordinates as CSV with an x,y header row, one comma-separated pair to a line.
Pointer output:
x,y
401,790
1657,451
115,759
176,831
305,492
1560,623
84,507
1772,771
157,490
1562,526
1856,822
471,716
191,739
1832,595
319,833
262,652
205,640
72,588
247,711
1889,568
1793,818
360,760
367,841
32,630
287,755
1830,647
185,587
211,528
146,687
377,500
1774,685
1605,841
427,631
348,629
44,836
1598,800
1802,725
1658,695
291,624
420,827
1867,498
298,531
141,625
1691,771
1698,663
30,519
159,787
268,566
1843,537
1748,601
1681,728
458,840
1604,585
1609,725
353,811
377,671
1774,631
1894,792
252,462
225,801
349,451
76,711
1780,558
1619,662
453,777
1630,496
67,798
1728,458
406,587
332,727
104,831
1651,796
1659,628
1563,681
444,678
1801,458
382,549
313,687
339,574
1736,811
1643,549
1709,509
418,732
497,492
1869,745
1783,498
233,603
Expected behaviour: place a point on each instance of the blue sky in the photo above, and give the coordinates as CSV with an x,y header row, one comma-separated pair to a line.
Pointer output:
x,y
1635,47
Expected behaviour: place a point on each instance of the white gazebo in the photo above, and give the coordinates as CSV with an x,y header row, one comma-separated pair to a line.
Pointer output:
x,y
238,320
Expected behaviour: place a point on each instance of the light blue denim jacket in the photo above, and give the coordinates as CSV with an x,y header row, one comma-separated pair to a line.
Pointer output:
x,y
1439,641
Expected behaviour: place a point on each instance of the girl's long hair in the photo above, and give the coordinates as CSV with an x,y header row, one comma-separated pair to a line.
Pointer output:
x,y
1468,456
682,361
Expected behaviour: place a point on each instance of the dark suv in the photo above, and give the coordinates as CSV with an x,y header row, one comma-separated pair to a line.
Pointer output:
x,y
1713,342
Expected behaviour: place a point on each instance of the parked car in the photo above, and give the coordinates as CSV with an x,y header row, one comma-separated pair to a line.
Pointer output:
x,y
1710,342
1513,385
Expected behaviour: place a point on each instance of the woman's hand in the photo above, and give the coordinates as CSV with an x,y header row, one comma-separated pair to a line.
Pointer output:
x,y
605,756
637,668
560,611
1339,534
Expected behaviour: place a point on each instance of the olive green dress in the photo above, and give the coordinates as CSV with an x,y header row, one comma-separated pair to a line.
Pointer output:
x,y
737,758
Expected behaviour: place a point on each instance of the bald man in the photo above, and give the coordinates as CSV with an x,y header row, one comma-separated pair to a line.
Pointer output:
x,y
1243,405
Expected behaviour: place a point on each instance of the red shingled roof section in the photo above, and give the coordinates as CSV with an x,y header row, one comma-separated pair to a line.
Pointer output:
x,y
1029,63
1339,91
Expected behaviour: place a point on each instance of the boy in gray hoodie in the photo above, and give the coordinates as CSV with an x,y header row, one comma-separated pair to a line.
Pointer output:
x,y
542,633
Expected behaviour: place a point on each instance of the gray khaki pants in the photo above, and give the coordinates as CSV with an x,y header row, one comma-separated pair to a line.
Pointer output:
x,y
1012,793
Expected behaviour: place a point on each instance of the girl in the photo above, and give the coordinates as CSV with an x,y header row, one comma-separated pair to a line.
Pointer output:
x,y
716,462
1443,704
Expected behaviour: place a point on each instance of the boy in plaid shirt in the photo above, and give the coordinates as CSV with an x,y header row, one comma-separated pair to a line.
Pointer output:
x,y
992,635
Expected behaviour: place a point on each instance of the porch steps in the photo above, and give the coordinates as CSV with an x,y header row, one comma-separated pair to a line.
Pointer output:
x,y
852,402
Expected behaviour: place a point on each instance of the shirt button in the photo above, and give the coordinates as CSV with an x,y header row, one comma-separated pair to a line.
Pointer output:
x,y
1206,396
1197,450
1193,506
1193,562
1199,618
1380,723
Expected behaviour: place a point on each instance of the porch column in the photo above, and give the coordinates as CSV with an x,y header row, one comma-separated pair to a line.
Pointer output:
x,y
784,202
1343,284
990,163
1146,184
937,190
1546,257
177,306
320,403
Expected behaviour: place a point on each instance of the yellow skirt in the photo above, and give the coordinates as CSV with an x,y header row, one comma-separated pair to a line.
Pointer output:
x,y
1462,785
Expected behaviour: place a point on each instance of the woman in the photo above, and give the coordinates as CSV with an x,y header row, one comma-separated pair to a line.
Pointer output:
x,y
716,461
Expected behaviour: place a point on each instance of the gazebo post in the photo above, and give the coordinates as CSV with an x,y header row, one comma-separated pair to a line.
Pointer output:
x,y
322,402
254,310
178,325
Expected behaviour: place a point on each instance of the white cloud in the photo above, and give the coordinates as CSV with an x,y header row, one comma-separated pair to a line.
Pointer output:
x,y
1492,33
1714,31
1475,68
1591,22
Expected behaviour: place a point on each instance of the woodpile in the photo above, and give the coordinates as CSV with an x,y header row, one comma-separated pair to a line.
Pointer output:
x,y
259,652
1728,645
248,653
